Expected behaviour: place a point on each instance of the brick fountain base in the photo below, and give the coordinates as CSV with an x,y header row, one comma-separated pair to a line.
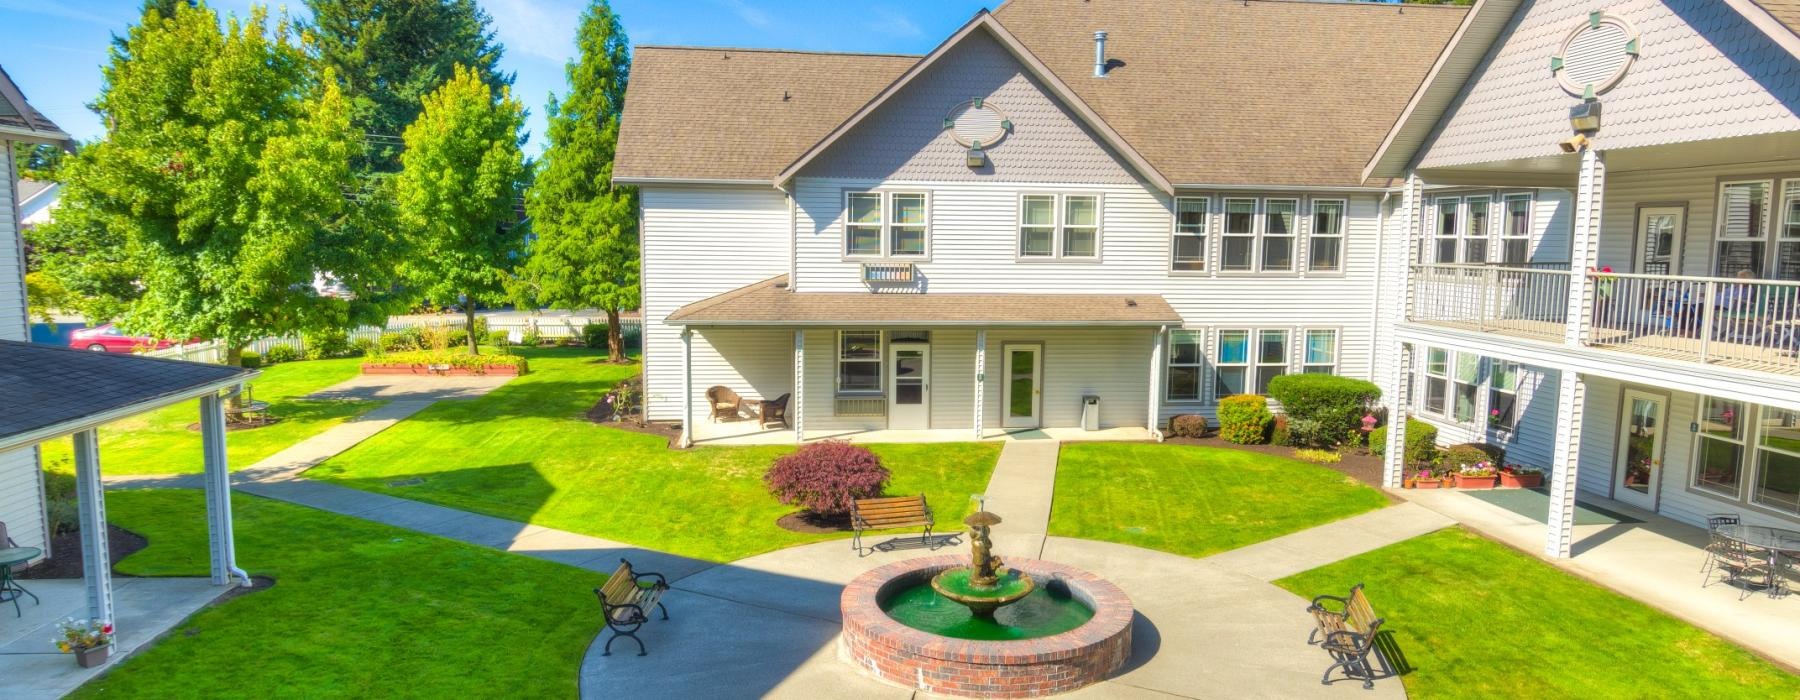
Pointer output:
x,y
1024,668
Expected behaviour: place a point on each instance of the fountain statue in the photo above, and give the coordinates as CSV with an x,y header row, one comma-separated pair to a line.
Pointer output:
x,y
986,584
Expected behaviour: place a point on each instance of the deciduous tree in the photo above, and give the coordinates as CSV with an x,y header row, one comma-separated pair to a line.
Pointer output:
x,y
585,252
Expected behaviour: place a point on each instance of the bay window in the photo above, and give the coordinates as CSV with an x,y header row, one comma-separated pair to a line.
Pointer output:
x,y
1188,249
885,224
859,362
1326,244
1185,365
1059,226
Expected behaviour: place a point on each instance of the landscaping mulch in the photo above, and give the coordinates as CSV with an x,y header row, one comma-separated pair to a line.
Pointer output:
x,y
66,547
1357,464
812,523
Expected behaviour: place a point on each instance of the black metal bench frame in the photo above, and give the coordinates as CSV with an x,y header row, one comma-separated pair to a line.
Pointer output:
x,y
625,615
1338,634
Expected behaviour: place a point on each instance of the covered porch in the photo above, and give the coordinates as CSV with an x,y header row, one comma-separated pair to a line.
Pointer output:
x,y
749,433
62,393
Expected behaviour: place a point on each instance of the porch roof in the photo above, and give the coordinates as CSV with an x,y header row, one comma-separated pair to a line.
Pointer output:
x,y
54,391
772,303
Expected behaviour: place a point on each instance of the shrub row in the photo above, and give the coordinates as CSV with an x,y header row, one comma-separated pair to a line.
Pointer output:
x,y
1323,410
1244,419
452,358
1421,442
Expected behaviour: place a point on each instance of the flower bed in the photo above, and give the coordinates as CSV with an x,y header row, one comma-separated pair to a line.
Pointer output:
x,y
1515,476
448,363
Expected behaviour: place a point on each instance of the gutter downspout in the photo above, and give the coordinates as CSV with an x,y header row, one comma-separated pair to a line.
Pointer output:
x,y
1380,258
231,562
793,235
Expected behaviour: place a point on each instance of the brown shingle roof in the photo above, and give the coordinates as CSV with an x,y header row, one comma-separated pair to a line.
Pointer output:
x,y
15,112
738,114
1786,12
772,302
1211,91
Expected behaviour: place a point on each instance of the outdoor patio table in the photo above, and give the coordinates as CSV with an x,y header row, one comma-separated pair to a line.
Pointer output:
x,y
1773,540
10,590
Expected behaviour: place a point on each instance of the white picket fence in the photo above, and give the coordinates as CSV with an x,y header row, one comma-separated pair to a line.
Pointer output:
x,y
213,351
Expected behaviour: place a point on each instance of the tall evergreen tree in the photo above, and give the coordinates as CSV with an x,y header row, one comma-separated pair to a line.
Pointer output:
x,y
461,174
585,254
217,193
389,54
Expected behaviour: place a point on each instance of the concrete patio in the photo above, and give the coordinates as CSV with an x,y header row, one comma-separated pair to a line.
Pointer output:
x,y
145,608
1656,561
749,432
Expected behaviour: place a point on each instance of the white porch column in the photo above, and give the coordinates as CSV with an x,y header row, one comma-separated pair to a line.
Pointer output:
x,y
1584,245
90,498
980,379
1571,399
218,492
798,405
1157,344
687,388
1393,460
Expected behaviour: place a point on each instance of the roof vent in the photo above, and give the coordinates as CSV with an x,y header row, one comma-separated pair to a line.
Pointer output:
x,y
1131,303
1099,54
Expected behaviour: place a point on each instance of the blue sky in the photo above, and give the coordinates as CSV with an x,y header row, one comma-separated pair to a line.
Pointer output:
x,y
54,48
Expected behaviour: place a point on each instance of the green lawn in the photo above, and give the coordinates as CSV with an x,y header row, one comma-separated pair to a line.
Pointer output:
x,y
1195,500
1475,619
358,610
160,442
525,452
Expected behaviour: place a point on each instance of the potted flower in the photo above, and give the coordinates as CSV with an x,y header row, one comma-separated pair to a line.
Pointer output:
x,y
1426,479
1480,475
1519,476
89,641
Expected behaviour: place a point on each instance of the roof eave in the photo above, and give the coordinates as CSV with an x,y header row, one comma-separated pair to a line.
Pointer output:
x,y
1760,18
54,138
95,420
1418,118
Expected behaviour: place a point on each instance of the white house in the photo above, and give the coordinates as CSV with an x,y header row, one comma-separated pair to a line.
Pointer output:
x,y
1161,204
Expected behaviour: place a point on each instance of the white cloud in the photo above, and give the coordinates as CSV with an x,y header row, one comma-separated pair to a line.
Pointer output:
x,y
893,23
538,28
750,15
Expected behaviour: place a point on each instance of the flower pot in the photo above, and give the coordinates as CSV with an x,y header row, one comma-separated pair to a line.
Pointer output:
x,y
1429,483
1409,483
1476,482
1521,481
89,658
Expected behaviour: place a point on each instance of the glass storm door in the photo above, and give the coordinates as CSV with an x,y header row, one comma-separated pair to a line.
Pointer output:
x,y
1641,435
909,387
1023,392
1659,241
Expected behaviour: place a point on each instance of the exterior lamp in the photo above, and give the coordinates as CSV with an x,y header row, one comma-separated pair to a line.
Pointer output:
x,y
976,157
1584,118
1368,422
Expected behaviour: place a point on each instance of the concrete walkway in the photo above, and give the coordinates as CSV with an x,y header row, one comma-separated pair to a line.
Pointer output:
x,y
1021,491
30,669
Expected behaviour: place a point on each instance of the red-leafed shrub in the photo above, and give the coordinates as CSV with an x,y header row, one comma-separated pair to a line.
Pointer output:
x,y
824,477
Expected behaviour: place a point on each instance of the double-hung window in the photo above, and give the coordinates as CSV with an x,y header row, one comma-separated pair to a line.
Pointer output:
x,y
1188,249
1515,230
1787,238
1325,247
1720,454
1444,235
1437,380
1232,367
1059,226
1239,236
1475,231
859,362
1743,228
1186,365
1466,385
1271,357
1321,351
1280,224
1503,395
886,224
1778,461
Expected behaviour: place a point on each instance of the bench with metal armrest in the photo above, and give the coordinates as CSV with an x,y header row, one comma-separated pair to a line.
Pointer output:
x,y
890,513
625,600
1346,629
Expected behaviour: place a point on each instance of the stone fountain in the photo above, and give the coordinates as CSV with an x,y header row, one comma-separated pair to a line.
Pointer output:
x,y
985,584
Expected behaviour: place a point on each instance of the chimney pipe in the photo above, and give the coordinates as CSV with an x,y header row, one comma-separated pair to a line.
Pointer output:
x,y
1099,54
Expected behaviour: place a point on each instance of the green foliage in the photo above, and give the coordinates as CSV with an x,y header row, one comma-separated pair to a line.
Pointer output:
x,y
366,346
531,339
1244,419
455,358
1323,407
1279,434
1307,454
1188,425
585,254
250,360
458,337
1473,452
37,161
278,354
47,295
219,187
593,335
497,338
388,54
61,508
461,172
1421,442
327,343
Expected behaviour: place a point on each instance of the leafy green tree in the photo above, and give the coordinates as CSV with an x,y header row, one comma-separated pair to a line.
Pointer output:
x,y
388,54
37,161
585,252
217,194
460,178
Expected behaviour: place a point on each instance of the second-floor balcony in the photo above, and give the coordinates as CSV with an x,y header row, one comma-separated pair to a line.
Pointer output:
x,y
1745,324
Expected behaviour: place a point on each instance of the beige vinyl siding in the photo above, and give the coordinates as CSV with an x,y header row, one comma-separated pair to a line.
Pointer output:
x,y
1113,364
699,242
21,487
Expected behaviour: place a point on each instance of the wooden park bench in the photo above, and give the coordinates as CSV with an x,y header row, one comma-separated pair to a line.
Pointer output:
x,y
890,513
625,600
1347,628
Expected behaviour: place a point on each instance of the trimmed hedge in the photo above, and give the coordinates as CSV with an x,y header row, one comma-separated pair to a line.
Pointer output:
x,y
1188,425
1244,419
280,353
1474,452
1421,442
453,358
1324,408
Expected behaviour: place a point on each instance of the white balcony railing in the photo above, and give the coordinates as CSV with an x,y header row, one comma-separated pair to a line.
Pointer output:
x,y
1532,302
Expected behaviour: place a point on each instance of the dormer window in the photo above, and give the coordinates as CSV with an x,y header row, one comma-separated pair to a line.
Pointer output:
x,y
887,225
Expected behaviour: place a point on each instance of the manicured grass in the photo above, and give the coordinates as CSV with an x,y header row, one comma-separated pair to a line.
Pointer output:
x,y
358,610
160,442
526,452
1475,619
1195,500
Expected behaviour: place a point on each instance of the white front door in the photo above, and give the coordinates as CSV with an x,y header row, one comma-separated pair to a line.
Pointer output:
x,y
909,387
1641,433
1022,392
1658,241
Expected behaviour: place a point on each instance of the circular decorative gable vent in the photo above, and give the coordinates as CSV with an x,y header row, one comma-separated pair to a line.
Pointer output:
x,y
977,123
1596,55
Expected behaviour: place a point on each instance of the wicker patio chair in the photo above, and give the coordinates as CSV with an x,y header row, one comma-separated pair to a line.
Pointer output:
x,y
725,403
775,412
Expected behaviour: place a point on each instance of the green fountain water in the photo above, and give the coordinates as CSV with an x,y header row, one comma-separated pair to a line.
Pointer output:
x,y
1046,611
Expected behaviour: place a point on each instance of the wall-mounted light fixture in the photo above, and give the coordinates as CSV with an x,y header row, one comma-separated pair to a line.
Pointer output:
x,y
976,156
1584,118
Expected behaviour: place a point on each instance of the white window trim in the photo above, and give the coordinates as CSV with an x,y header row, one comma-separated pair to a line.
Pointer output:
x,y
1465,234
1754,455
1337,347
1206,236
1294,236
1059,208
1225,234
1287,352
1252,363
1342,236
1259,233
887,226
1493,370
1765,237
1200,365
880,361
1505,232
1438,236
1426,376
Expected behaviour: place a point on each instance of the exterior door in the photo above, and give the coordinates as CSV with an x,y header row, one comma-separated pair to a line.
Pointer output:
x,y
909,387
1023,391
1641,433
1658,241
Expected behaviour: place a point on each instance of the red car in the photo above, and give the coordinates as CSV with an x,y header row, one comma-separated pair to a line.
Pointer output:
x,y
106,338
